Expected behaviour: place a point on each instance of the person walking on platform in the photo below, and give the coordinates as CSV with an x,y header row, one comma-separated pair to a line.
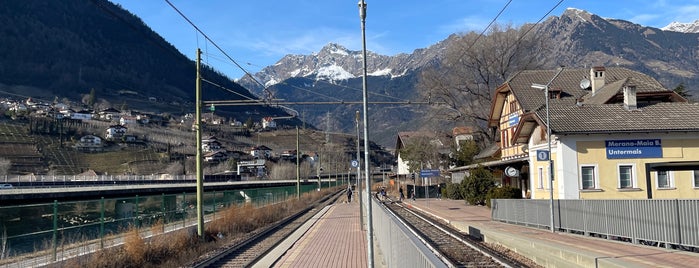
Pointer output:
x,y
349,194
400,190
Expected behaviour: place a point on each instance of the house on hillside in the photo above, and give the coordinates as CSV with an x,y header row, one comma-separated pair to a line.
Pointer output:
x,y
82,115
465,133
109,114
289,155
268,123
143,118
216,156
615,134
115,132
261,152
210,145
128,120
442,143
89,143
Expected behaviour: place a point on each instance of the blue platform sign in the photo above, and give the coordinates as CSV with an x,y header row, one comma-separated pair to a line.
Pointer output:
x,y
625,149
429,173
542,155
512,120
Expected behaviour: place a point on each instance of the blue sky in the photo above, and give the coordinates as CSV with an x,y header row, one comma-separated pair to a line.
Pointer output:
x,y
257,33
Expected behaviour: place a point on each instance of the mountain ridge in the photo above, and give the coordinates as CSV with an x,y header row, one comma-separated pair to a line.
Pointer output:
x,y
577,37
690,27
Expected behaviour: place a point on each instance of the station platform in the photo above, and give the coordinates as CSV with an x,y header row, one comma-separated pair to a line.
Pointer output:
x,y
333,238
552,249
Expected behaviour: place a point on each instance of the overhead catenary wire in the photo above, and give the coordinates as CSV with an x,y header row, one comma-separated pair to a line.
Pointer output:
x,y
212,41
520,38
537,22
486,28
241,67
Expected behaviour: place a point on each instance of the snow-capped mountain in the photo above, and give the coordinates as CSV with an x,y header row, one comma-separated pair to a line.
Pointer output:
x,y
576,39
334,63
692,27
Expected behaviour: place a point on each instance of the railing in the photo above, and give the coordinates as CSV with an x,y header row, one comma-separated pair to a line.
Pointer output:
x,y
669,223
19,179
59,229
398,245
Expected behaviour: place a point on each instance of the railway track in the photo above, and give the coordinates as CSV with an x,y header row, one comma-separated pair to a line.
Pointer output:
x,y
255,247
455,248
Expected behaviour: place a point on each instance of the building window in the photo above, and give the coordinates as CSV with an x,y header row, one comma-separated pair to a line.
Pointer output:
x,y
696,179
588,177
541,178
505,138
626,178
513,106
664,179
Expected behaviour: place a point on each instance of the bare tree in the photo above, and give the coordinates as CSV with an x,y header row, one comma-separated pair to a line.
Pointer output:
x,y
421,153
473,67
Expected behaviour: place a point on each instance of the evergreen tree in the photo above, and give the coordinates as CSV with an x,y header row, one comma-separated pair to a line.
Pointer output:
x,y
462,154
476,185
680,90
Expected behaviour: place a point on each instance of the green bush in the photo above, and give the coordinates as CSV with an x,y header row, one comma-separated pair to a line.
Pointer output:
x,y
476,185
453,191
503,192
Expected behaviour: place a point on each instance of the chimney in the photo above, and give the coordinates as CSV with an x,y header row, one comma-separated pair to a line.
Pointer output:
x,y
630,98
597,78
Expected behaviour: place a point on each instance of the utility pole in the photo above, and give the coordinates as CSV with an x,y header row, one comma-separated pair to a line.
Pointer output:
x,y
370,229
200,177
298,166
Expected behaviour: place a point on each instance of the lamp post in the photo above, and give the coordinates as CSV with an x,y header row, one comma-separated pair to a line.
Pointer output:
x,y
548,140
359,175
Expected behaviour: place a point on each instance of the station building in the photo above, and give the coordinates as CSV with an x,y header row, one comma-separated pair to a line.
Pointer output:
x,y
615,134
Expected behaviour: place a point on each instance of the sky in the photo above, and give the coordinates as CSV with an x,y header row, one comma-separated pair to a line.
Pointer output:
x,y
258,33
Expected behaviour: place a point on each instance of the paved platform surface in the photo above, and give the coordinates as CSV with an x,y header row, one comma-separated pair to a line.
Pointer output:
x,y
335,240
553,249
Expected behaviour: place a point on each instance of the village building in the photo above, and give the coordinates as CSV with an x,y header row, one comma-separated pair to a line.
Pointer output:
x,y
261,152
216,156
89,143
128,120
614,134
442,143
81,115
115,132
210,145
109,114
268,123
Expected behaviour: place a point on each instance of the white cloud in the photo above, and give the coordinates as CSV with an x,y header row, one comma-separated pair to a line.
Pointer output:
x,y
661,13
463,25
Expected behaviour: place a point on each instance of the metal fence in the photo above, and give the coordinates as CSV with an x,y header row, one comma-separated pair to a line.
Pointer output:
x,y
399,246
669,223
59,226
89,178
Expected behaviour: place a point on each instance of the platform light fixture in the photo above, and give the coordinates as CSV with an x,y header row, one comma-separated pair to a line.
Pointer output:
x,y
548,140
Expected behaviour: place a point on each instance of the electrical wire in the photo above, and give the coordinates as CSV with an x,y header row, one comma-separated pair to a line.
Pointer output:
x,y
213,43
537,23
486,28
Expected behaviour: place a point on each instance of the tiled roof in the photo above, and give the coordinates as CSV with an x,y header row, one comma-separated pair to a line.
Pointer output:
x,y
568,82
614,118
407,137
579,111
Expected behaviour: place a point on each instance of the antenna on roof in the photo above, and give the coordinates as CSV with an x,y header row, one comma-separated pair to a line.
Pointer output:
x,y
584,83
